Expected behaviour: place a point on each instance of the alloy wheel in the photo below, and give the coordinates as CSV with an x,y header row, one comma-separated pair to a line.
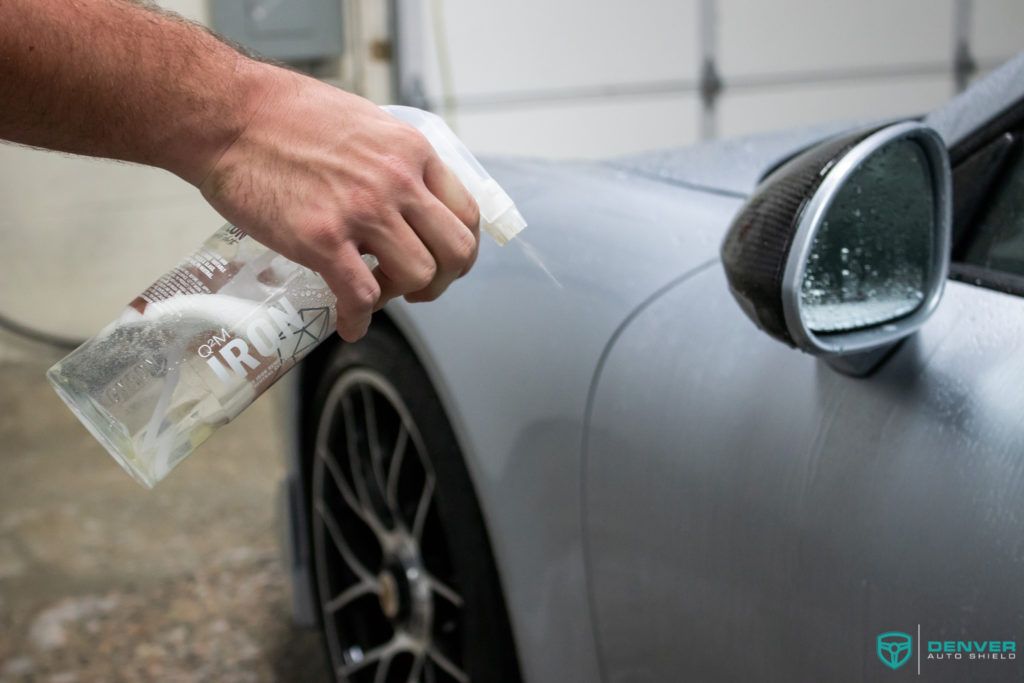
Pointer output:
x,y
391,607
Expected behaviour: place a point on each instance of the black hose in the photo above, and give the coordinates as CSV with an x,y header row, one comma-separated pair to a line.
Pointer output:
x,y
32,334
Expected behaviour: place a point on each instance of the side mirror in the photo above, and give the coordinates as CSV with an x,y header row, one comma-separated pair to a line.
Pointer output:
x,y
843,251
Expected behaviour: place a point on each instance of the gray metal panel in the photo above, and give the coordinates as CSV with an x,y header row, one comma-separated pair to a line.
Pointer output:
x,y
986,98
729,166
754,515
512,355
288,30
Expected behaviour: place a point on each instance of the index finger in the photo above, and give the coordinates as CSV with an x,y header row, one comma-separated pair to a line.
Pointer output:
x,y
443,184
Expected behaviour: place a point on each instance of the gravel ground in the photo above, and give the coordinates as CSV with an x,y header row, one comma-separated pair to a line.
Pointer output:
x,y
101,580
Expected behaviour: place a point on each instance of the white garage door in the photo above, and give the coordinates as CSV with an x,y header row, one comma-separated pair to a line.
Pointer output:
x,y
593,78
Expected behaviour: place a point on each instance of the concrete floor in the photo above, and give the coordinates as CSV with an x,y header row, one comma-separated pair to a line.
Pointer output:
x,y
101,580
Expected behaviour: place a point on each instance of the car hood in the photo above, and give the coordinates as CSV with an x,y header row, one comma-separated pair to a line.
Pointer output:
x,y
733,166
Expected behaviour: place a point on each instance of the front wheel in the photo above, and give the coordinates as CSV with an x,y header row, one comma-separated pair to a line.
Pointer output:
x,y
406,583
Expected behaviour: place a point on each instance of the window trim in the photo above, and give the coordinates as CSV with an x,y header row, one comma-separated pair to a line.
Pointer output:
x,y
980,276
1008,123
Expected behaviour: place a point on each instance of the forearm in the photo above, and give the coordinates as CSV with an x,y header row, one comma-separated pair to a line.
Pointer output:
x,y
317,174
113,79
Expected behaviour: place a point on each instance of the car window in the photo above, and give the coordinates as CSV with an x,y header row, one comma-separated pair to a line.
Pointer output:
x,y
995,241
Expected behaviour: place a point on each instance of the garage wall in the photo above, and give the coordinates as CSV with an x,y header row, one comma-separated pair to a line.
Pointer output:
x,y
579,78
572,77
80,237
553,78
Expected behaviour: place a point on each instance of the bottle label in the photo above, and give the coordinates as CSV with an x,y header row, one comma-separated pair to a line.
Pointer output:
x,y
267,342
266,345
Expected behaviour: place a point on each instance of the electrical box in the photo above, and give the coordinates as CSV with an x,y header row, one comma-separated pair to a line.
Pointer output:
x,y
285,30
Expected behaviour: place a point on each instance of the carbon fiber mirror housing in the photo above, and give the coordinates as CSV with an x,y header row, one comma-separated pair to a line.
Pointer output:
x,y
844,249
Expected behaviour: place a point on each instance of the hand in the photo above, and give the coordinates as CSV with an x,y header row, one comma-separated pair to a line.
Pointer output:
x,y
322,176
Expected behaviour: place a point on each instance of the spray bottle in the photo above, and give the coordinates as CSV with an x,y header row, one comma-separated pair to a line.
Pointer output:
x,y
199,345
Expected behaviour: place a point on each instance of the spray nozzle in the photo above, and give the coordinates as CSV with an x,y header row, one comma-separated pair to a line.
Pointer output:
x,y
499,217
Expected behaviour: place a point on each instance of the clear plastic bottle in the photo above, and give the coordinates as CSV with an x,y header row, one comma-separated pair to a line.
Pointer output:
x,y
202,342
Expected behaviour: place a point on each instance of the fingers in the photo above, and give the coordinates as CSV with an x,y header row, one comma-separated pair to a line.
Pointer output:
x,y
451,243
406,265
417,262
447,221
443,184
355,287
436,243
426,239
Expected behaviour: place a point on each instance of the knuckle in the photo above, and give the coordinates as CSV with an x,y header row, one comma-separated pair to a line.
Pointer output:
x,y
423,275
357,293
471,214
363,205
323,232
405,160
414,141
402,178
364,295
464,246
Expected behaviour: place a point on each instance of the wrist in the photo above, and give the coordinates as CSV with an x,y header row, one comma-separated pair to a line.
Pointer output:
x,y
202,137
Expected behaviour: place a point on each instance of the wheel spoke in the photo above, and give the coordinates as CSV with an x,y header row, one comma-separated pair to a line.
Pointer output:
x,y
378,654
423,506
373,436
417,668
366,514
446,664
344,598
354,461
339,542
381,675
323,582
445,591
396,467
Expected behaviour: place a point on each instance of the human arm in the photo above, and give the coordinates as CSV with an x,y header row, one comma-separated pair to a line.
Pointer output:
x,y
315,173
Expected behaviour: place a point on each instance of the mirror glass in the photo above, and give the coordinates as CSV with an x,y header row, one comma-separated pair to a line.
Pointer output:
x,y
869,259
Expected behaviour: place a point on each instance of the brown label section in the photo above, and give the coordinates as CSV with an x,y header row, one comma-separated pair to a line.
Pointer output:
x,y
204,272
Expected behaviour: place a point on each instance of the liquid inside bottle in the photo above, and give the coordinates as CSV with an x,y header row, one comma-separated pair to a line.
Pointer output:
x,y
193,350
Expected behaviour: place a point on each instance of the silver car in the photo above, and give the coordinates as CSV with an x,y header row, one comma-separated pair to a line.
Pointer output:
x,y
746,411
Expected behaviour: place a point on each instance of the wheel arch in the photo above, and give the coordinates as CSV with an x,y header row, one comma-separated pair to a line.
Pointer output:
x,y
511,353
301,433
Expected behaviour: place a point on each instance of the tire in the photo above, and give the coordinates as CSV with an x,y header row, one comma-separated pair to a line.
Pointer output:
x,y
404,575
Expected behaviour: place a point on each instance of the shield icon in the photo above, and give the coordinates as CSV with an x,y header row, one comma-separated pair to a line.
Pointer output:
x,y
894,648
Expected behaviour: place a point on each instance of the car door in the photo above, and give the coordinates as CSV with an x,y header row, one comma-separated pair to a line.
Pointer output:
x,y
754,514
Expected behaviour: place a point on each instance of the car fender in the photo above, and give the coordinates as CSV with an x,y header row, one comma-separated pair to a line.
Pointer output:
x,y
511,350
